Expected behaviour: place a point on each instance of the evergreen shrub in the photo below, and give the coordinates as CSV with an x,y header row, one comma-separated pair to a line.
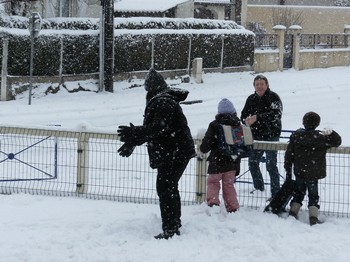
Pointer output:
x,y
133,44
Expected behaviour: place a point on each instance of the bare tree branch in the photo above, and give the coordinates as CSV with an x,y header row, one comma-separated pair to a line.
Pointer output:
x,y
287,17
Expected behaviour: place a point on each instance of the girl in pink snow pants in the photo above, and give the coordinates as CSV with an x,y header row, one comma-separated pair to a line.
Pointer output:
x,y
228,190
222,168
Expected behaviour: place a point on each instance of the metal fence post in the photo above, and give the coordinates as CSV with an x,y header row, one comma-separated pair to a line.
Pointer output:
x,y
101,50
152,52
34,30
222,53
61,62
4,70
189,55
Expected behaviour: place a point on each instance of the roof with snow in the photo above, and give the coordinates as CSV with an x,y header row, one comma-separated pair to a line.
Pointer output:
x,y
146,5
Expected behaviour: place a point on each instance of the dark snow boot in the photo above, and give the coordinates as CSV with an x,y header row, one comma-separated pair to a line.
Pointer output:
x,y
294,209
313,216
167,234
314,221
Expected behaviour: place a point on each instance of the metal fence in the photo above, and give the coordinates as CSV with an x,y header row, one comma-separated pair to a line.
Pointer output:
x,y
321,41
62,163
266,41
307,41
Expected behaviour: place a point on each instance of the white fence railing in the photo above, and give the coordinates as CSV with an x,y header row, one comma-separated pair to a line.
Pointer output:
x,y
83,164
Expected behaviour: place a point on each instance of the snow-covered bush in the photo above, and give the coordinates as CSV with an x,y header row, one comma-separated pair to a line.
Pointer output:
x,y
133,44
173,23
57,23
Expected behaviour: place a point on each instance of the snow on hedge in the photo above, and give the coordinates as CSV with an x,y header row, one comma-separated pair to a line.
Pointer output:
x,y
121,23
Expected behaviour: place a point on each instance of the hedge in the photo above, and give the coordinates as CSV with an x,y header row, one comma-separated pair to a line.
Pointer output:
x,y
133,47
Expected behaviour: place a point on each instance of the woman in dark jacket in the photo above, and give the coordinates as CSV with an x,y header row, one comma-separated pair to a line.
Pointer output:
x,y
169,143
263,112
306,155
221,167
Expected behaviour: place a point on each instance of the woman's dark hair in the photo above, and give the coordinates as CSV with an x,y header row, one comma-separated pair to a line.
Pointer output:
x,y
261,77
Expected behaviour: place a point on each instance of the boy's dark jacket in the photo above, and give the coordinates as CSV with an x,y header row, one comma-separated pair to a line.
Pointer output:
x,y
219,163
165,128
306,151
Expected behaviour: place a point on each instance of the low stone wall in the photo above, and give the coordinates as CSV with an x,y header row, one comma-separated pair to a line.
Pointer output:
x,y
272,60
266,61
324,58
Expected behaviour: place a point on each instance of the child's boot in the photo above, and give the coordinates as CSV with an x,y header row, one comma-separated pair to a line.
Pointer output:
x,y
313,216
294,209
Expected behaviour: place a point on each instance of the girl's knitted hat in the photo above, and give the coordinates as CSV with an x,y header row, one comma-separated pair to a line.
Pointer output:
x,y
225,106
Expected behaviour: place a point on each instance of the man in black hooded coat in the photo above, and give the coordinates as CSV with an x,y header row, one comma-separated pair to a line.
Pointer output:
x,y
169,143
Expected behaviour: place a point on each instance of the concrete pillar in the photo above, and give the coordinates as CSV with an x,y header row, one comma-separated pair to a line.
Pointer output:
x,y
244,11
197,70
83,164
280,30
201,175
296,32
347,32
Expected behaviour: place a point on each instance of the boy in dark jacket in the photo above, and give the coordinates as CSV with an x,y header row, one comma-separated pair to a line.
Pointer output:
x,y
221,167
169,143
306,154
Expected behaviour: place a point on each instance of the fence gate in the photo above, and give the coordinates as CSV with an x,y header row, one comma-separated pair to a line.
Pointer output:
x,y
288,51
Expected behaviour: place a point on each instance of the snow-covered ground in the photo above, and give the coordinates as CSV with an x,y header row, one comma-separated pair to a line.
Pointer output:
x,y
41,228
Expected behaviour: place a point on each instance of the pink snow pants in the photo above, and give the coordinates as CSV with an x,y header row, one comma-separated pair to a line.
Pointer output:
x,y
228,190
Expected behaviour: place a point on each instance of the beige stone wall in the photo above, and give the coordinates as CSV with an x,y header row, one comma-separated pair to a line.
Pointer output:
x,y
317,20
265,61
324,58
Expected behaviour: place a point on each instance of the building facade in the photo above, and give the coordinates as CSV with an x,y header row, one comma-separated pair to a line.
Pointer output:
x,y
292,2
55,8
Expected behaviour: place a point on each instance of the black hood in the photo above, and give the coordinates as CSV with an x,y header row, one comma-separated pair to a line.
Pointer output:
x,y
228,119
154,82
176,94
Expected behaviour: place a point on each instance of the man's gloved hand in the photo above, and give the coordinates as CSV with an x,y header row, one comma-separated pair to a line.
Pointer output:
x,y
200,156
127,133
126,150
288,176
